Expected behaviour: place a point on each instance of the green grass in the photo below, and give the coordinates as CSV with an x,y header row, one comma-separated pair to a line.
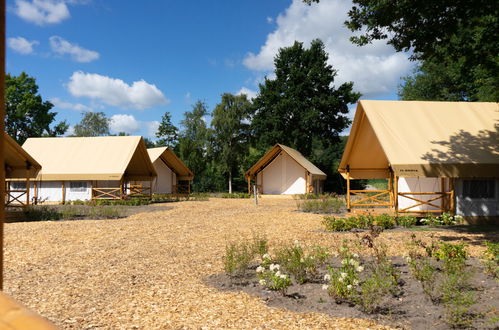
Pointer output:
x,y
380,184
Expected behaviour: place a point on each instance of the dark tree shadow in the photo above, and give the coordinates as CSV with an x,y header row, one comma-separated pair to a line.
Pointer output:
x,y
467,148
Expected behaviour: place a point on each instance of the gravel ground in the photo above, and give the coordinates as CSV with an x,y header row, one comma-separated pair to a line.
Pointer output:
x,y
146,271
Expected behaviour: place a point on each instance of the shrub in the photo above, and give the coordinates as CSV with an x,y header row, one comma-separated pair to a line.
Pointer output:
x,y
260,245
237,258
406,221
128,202
272,278
426,273
446,219
235,195
343,282
198,196
457,298
385,221
40,213
294,260
490,259
323,205
346,224
453,256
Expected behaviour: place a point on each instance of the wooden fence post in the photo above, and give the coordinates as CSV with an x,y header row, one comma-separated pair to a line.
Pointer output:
x,y
348,188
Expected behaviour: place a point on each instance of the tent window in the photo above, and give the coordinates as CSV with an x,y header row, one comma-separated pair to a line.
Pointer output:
x,y
479,189
18,185
78,186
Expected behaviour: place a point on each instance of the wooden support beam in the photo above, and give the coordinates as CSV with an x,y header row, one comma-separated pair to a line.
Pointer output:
x,y
348,190
63,187
35,191
452,196
396,193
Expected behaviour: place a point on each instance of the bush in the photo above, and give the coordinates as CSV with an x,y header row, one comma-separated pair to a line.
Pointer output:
x,y
385,221
41,213
346,224
490,259
272,277
237,258
127,202
406,221
294,260
235,195
453,256
198,196
323,205
446,219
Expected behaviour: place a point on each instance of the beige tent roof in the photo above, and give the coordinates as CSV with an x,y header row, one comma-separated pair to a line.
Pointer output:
x,y
18,163
274,152
171,160
91,158
423,139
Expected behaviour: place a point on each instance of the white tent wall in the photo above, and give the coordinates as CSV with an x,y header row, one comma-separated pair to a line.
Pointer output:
x,y
163,183
51,191
466,206
283,176
418,185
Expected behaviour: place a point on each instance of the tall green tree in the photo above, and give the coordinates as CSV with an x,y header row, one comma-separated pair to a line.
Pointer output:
x,y
301,107
454,38
193,144
92,124
167,133
26,114
230,124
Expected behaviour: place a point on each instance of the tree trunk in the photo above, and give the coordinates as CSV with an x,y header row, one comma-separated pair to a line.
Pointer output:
x,y
230,183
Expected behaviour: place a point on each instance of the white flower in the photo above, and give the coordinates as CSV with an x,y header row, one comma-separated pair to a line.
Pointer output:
x,y
262,282
355,282
273,267
355,255
340,279
354,263
344,261
327,277
302,260
260,269
312,257
278,273
408,259
360,269
283,276
343,275
266,256
325,287
349,287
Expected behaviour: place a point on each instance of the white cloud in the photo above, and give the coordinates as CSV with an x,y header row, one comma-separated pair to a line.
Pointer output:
x,y
124,123
152,127
42,12
374,68
21,45
115,92
251,94
270,20
70,131
78,54
58,103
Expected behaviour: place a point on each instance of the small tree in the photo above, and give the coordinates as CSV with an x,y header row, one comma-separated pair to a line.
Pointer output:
x,y
167,133
26,114
92,124
231,132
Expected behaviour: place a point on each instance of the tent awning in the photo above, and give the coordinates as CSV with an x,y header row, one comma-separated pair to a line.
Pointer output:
x,y
171,160
18,163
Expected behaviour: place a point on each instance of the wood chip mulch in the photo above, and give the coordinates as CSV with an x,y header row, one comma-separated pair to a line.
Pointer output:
x,y
147,271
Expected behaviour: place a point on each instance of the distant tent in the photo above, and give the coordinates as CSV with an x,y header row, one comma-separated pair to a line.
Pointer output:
x,y
429,151
82,168
283,170
20,167
170,170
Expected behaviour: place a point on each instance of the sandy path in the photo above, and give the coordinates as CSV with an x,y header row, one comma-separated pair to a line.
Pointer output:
x,y
146,271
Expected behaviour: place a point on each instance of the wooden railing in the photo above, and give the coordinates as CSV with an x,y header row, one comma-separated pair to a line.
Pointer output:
x,y
107,193
13,197
445,199
370,198
139,191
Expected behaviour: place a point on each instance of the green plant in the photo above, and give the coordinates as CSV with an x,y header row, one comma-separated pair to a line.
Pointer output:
x,y
198,196
453,256
322,205
295,261
40,213
446,219
457,298
343,282
385,221
406,221
235,195
425,272
272,278
260,245
490,259
237,258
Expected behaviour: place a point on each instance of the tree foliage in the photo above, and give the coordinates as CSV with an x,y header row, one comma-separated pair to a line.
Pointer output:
x,y
230,125
167,133
92,124
301,107
26,114
456,42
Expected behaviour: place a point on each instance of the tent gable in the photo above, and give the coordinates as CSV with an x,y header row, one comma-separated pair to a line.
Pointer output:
x,y
170,159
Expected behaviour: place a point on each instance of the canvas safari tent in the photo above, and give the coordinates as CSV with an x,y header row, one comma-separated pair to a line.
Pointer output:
x,y
20,168
285,171
83,168
174,177
437,156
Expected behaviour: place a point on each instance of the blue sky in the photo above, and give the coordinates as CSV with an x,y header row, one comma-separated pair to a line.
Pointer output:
x,y
134,60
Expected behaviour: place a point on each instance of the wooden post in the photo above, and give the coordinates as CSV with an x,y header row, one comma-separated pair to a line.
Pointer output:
x,y
452,197
189,187
150,188
35,191
396,193
27,191
443,199
390,188
255,194
63,186
261,182
249,184
348,188
121,188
